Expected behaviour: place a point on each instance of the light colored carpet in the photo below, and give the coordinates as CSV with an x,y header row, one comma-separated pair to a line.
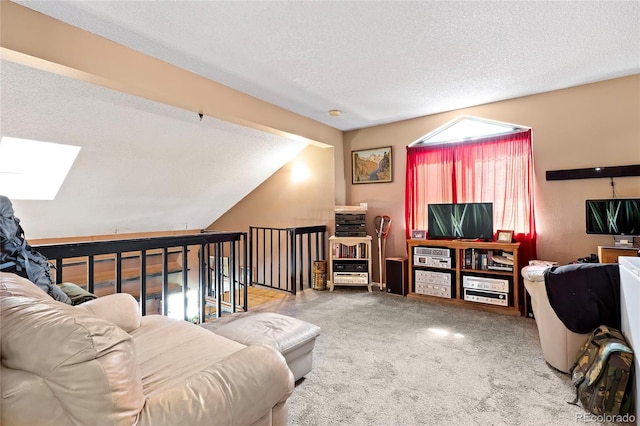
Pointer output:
x,y
385,360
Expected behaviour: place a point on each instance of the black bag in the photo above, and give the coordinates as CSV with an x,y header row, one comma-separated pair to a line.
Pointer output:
x,y
18,257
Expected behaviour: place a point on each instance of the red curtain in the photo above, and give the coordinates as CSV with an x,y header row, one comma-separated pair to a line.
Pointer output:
x,y
429,180
497,170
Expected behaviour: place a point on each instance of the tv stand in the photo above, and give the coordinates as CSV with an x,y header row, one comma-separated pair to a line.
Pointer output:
x,y
611,254
476,274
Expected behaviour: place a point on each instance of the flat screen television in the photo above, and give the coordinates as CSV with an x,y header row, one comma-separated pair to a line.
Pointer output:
x,y
615,216
460,221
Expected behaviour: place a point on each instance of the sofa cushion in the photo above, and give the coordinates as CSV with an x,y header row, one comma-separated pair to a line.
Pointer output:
x,y
87,367
237,390
162,341
209,376
122,309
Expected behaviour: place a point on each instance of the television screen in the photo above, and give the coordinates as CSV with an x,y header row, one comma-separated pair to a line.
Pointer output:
x,y
616,216
461,220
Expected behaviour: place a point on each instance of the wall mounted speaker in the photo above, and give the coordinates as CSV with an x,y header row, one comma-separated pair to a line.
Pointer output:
x,y
594,172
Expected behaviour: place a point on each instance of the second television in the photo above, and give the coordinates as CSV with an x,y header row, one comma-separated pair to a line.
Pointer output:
x,y
460,221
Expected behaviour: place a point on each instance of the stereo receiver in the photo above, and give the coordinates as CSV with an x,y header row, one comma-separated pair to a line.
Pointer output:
x,y
437,290
432,251
350,278
483,283
432,261
486,296
432,277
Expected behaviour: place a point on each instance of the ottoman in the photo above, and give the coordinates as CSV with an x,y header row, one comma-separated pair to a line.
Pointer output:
x,y
294,338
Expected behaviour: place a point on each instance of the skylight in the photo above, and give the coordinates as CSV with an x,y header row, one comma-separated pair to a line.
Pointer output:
x,y
33,170
467,128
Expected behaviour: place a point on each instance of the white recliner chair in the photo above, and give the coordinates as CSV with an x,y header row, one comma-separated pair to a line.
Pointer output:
x,y
560,345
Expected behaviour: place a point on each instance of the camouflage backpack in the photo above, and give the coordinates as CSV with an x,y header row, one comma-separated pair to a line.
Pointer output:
x,y
603,373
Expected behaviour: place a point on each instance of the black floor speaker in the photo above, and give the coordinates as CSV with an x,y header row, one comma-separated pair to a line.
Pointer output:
x,y
397,275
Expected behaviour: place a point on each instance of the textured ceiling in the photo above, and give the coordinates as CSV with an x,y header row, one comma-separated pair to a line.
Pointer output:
x,y
380,61
146,166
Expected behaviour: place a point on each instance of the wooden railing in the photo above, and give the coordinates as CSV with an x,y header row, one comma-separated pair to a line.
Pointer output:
x,y
151,269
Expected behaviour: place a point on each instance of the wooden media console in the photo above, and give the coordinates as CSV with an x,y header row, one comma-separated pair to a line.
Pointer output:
x,y
480,275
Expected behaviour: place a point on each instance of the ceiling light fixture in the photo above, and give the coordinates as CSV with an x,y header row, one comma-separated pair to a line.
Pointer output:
x,y
334,112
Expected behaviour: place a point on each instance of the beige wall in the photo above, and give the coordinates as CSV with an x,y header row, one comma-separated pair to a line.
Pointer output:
x,y
281,202
586,126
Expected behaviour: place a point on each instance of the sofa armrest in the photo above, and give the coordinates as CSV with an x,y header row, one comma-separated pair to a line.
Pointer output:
x,y
239,390
121,309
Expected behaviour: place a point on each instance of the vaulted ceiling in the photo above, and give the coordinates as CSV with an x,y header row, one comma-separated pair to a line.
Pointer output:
x,y
377,62
143,166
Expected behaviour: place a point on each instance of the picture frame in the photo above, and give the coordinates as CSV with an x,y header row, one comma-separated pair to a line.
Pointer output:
x,y
418,234
372,165
503,236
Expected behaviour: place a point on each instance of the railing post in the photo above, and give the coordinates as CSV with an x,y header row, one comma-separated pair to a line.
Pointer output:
x,y
246,275
204,279
119,272
264,251
232,276
308,262
292,260
279,258
91,273
59,271
143,282
165,281
219,279
250,274
185,283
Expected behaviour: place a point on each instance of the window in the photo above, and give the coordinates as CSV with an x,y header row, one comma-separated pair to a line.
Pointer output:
x,y
497,169
467,128
33,170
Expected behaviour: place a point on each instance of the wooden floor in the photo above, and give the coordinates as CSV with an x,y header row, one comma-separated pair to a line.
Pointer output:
x,y
258,296
255,295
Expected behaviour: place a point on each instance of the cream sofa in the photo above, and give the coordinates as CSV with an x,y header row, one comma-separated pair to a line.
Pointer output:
x,y
101,363
560,345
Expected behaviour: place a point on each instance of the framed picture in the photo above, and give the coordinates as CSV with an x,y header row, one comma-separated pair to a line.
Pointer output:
x,y
418,234
371,165
504,236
